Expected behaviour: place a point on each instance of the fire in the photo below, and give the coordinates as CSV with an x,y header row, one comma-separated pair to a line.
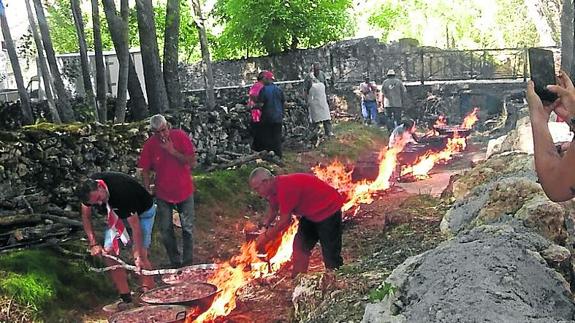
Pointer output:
x,y
425,163
361,192
470,119
241,269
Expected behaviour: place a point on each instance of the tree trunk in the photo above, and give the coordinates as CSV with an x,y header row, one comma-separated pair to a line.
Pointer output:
x,y
24,98
171,37
100,66
206,60
567,37
84,60
119,32
155,87
67,114
43,65
138,104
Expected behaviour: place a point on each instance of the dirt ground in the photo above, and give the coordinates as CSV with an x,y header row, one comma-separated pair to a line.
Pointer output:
x,y
402,222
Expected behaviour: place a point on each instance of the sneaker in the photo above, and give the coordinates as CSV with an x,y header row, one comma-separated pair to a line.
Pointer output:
x,y
119,306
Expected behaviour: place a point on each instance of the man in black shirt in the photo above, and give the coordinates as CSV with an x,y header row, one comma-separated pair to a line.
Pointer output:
x,y
120,197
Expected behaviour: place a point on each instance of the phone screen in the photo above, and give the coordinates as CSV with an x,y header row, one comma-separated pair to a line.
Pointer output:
x,y
542,70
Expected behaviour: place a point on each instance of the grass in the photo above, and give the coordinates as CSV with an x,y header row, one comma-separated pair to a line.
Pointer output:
x,y
49,284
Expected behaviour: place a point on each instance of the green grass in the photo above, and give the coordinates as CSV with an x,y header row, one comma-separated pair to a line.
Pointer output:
x,y
50,284
381,292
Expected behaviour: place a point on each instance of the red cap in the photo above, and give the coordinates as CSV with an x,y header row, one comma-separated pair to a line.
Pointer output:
x,y
268,75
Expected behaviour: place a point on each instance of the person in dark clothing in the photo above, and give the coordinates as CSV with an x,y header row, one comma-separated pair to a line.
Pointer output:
x,y
121,197
317,206
272,100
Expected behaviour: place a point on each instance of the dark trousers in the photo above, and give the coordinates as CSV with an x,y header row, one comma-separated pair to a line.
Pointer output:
x,y
268,136
328,233
393,115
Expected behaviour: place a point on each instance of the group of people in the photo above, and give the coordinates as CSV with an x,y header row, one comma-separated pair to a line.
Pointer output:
x,y
266,101
132,209
169,155
390,100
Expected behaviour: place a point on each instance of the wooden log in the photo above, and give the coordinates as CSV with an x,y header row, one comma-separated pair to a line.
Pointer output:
x,y
60,219
265,155
19,220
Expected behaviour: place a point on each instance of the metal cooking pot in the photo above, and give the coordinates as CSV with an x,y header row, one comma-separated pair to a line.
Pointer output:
x,y
152,314
202,303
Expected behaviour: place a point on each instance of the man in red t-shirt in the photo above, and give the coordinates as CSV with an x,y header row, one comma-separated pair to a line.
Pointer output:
x,y
171,155
314,202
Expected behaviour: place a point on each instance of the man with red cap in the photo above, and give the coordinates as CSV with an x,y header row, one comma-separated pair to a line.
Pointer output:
x,y
272,100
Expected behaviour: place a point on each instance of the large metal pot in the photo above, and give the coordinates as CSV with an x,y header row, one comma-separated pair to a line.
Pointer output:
x,y
195,273
151,314
193,294
450,131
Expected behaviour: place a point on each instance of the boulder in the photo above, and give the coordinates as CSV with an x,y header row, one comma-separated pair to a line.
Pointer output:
x,y
545,217
489,274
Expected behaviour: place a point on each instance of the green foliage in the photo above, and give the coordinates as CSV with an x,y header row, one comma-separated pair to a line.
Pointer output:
x,y
385,289
33,289
272,26
457,23
41,279
63,30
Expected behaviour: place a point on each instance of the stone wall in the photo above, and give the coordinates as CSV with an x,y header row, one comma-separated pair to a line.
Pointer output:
x,y
50,160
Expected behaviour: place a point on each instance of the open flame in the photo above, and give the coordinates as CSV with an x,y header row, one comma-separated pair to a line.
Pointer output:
x,y
470,119
361,192
241,269
424,164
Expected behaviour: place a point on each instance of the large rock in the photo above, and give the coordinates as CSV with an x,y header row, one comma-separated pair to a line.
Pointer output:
x,y
497,167
545,217
489,274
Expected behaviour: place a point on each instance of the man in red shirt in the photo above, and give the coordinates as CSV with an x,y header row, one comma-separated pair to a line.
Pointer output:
x,y
171,155
314,202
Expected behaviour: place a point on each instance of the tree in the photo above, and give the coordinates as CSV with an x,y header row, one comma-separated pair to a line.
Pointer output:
x,y
155,87
67,114
24,98
171,38
567,37
100,67
43,66
84,61
206,60
278,26
118,25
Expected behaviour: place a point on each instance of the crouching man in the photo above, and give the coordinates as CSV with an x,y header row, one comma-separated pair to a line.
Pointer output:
x,y
120,197
314,202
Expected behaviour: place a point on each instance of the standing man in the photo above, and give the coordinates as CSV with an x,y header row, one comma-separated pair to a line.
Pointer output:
x,y
170,154
368,101
121,197
272,99
315,84
393,98
315,203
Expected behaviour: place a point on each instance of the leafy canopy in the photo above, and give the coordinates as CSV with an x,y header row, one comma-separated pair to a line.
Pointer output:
x,y
63,31
272,26
457,23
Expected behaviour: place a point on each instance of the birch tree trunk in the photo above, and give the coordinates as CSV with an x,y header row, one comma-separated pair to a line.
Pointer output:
x,y
43,65
171,45
567,37
100,66
84,60
119,32
155,87
24,98
67,114
206,60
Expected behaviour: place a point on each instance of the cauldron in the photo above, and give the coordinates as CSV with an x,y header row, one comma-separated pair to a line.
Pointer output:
x,y
155,313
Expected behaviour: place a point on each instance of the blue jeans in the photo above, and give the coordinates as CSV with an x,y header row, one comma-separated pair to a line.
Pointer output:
x,y
369,111
146,225
186,211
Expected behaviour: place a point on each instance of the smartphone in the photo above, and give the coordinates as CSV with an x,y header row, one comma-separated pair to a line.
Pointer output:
x,y
542,70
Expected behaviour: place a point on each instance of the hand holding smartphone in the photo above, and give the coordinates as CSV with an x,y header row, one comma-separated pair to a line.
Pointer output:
x,y
542,71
